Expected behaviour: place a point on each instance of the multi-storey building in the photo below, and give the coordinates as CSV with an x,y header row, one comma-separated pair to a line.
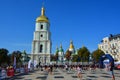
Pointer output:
x,y
111,45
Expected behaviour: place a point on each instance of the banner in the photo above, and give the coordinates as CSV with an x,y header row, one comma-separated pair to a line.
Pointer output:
x,y
14,62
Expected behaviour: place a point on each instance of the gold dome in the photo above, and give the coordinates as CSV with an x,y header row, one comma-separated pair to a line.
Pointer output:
x,y
42,18
71,45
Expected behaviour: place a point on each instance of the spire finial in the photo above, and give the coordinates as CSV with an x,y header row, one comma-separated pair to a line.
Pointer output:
x,y
71,41
61,45
43,10
43,3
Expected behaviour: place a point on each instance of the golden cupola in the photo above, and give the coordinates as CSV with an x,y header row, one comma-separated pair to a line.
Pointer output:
x,y
42,17
71,46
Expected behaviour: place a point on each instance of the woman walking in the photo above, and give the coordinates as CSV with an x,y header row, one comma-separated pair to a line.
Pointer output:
x,y
79,72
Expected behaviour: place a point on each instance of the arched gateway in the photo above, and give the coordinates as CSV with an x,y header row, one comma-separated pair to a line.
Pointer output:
x,y
106,56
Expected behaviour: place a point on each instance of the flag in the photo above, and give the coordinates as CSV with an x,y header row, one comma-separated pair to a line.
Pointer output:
x,y
14,62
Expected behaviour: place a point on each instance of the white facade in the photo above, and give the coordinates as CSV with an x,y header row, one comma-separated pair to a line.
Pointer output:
x,y
111,45
41,45
61,54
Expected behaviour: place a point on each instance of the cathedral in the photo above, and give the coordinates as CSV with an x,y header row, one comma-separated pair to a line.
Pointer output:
x,y
41,44
61,54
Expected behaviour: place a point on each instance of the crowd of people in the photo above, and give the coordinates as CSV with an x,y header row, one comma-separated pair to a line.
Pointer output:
x,y
77,68
9,71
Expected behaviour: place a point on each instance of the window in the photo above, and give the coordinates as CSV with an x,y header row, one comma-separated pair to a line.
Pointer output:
x,y
41,26
41,35
41,48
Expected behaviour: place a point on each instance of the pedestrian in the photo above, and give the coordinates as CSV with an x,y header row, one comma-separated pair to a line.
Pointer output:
x,y
66,67
110,69
3,73
51,69
79,72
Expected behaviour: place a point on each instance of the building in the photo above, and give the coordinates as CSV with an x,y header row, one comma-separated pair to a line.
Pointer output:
x,y
61,54
111,45
41,44
71,48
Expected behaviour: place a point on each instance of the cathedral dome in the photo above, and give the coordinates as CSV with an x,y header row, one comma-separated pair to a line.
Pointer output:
x,y
42,17
61,49
71,48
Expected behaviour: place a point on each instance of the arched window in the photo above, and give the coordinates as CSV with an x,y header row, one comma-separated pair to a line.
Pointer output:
x,y
41,35
41,48
41,27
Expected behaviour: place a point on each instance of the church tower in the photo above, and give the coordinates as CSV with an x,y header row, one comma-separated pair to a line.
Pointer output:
x,y
61,54
41,44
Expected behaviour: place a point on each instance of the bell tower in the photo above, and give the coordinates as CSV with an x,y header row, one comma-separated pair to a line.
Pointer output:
x,y
41,44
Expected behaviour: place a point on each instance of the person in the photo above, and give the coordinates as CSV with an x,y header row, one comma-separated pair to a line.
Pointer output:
x,y
66,67
79,72
51,69
3,73
110,69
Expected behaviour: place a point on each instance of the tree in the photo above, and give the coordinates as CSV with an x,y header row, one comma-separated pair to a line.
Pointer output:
x,y
68,55
96,54
52,57
18,56
24,58
84,54
75,58
4,56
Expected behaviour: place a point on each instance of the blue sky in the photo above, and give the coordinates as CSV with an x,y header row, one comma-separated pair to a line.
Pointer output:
x,y
86,22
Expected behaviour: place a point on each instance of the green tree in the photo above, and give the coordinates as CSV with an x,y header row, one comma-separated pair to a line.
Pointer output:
x,y
24,58
68,55
18,56
4,56
96,54
75,58
84,54
52,57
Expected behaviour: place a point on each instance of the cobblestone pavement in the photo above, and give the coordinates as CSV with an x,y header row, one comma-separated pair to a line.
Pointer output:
x,y
61,74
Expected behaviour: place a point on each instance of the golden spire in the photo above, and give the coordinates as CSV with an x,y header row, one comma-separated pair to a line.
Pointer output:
x,y
42,17
42,11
